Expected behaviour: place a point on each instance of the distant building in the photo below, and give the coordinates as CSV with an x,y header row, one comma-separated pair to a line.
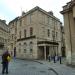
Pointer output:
x,y
63,51
37,34
69,28
4,35
12,35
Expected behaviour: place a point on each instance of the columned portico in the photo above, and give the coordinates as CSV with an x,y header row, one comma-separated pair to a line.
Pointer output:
x,y
69,24
45,50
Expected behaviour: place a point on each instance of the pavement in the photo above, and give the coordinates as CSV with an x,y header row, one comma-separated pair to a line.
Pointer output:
x,y
37,67
61,69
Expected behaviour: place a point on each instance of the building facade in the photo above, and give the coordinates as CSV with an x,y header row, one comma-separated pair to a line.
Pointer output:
x,y
69,27
63,51
38,34
12,36
4,36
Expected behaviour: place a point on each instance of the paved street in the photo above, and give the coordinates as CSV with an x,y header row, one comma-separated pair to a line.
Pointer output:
x,y
26,67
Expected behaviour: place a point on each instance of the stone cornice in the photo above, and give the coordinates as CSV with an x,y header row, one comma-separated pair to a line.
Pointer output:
x,y
27,38
68,7
47,42
67,10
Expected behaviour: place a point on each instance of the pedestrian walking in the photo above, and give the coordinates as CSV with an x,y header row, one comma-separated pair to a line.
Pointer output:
x,y
5,62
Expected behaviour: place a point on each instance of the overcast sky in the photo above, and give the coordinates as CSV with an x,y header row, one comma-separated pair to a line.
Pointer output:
x,y
9,9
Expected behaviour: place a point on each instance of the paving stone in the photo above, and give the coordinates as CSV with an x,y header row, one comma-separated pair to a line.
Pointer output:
x,y
25,67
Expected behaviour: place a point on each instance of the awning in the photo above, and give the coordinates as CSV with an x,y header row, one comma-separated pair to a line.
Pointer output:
x,y
48,42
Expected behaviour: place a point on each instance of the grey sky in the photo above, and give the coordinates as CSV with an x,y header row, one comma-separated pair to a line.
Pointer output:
x,y
9,9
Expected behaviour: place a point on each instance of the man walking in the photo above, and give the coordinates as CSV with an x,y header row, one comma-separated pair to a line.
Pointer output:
x,y
5,62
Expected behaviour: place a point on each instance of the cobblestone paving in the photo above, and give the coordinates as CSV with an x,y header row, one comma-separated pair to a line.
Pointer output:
x,y
26,67
61,69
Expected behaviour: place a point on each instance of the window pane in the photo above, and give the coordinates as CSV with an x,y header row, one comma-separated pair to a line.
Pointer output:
x,y
31,31
24,50
48,32
25,33
31,50
20,34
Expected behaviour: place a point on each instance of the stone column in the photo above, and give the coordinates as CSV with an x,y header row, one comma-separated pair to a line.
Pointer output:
x,y
49,51
45,52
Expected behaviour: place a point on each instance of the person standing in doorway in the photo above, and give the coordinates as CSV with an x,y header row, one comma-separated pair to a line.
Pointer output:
x,y
5,62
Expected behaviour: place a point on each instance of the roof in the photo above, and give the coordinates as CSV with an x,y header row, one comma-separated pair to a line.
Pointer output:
x,y
32,10
14,20
3,25
40,9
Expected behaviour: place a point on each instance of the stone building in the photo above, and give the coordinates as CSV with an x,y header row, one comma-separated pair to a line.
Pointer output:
x,y
63,52
4,35
69,27
38,34
12,35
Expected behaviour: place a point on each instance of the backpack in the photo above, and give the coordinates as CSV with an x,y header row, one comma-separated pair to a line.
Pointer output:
x,y
8,58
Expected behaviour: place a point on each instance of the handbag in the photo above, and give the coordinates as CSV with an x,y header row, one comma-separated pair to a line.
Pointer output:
x,y
8,58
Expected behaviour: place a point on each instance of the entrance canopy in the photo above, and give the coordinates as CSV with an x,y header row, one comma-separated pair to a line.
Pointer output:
x,y
47,42
47,48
